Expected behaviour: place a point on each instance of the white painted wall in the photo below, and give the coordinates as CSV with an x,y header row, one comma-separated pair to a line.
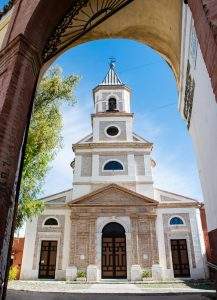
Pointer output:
x,y
99,99
198,242
27,262
203,120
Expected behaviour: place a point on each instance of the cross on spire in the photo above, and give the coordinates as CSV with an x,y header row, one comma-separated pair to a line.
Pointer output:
x,y
111,77
112,62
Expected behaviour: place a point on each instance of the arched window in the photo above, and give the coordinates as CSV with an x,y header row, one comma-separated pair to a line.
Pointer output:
x,y
51,222
112,104
176,221
113,165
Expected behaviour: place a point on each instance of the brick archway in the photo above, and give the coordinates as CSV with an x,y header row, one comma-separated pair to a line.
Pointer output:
x,y
33,25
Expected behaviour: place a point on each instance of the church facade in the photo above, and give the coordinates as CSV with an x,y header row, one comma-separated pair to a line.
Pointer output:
x,y
114,223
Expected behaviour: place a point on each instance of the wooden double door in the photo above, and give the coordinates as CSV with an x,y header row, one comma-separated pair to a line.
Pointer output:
x,y
180,258
47,263
114,262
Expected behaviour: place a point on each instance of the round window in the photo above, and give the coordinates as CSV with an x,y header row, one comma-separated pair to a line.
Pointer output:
x,y
112,130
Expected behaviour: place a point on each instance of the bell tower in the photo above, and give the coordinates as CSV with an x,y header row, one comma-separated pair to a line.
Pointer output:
x,y
111,95
112,120
112,153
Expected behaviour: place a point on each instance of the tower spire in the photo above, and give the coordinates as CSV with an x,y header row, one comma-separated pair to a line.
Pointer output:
x,y
111,77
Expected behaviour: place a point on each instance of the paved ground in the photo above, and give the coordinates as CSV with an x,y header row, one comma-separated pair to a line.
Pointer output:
x,y
60,290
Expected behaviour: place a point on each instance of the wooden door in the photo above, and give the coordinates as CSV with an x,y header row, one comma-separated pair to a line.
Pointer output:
x,y
114,263
47,264
180,258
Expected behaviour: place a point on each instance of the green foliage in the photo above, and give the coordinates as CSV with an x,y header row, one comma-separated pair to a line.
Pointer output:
x,y
13,272
146,273
44,138
81,274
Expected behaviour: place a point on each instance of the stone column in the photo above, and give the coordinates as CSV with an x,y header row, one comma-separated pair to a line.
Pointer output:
x,y
19,69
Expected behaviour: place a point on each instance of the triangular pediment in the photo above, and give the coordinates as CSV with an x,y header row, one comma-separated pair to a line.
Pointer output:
x,y
87,139
113,195
138,138
61,200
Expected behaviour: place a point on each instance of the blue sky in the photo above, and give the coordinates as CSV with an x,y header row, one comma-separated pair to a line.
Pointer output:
x,y
2,3
154,102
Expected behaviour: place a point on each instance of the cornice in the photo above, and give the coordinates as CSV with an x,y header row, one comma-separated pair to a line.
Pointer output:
x,y
113,152
117,182
111,145
112,114
111,87
178,205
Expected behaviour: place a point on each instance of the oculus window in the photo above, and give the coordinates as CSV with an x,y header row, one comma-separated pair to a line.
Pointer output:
x,y
112,131
113,165
51,222
176,221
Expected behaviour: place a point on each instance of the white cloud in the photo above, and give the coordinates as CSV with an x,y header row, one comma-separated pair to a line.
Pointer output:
x,y
76,126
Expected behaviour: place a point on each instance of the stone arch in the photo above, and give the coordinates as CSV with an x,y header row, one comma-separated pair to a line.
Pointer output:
x,y
22,60
159,26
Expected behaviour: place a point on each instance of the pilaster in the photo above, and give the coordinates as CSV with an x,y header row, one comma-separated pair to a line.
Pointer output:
x,y
19,69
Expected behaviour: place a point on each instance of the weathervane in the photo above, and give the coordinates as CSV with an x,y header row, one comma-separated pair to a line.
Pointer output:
x,y
112,62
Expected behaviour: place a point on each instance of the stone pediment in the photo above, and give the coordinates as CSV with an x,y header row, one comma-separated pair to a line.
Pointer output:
x,y
113,195
138,138
60,200
86,139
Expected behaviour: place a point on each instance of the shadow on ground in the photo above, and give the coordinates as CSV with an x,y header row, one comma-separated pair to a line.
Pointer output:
x,y
30,295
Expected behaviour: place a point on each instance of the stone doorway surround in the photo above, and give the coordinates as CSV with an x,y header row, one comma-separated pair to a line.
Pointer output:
x,y
101,222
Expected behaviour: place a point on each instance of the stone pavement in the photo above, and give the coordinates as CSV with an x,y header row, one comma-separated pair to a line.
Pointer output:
x,y
60,290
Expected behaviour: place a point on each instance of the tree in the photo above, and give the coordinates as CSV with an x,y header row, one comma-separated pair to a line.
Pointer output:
x,y
44,139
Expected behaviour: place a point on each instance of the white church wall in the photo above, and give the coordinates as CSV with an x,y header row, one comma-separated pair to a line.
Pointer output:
x,y
33,240
80,189
123,123
145,189
180,232
28,252
203,122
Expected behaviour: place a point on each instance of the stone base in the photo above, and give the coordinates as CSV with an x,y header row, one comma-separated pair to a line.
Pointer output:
x,y
136,273
157,272
167,274
71,273
92,273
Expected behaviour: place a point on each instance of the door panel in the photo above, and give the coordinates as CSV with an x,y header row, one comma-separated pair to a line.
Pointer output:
x,y
114,264
47,264
180,258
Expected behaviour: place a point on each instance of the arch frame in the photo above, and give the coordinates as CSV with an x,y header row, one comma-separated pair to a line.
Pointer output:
x,y
110,160
53,226
176,216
